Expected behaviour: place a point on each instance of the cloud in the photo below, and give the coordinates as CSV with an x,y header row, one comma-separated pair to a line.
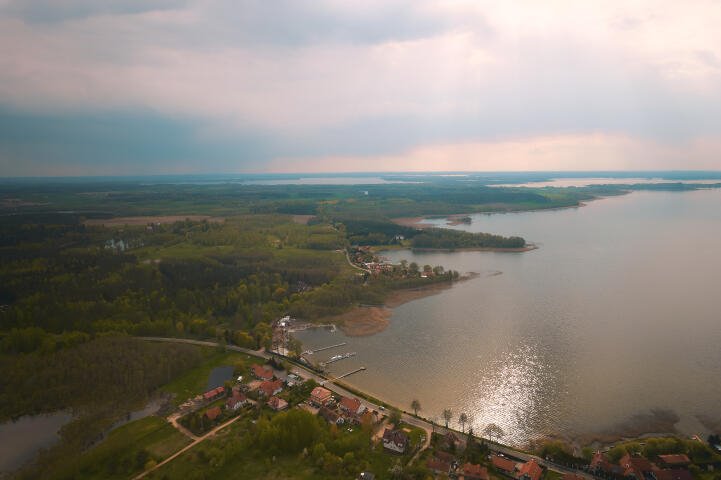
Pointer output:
x,y
331,78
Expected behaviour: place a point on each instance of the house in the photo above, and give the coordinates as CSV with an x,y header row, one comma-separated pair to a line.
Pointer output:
x,y
438,466
277,403
292,380
262,372
674,460
213,413
270,388
395,440
236,401
504,465
351,406
214,393
320,396
600,463
473,471
673,474
530,470
331,416
638,467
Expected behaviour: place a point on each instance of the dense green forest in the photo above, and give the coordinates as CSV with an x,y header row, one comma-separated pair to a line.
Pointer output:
x,y
451,239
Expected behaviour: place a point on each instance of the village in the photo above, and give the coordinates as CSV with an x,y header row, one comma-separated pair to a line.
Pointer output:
x,y
274,386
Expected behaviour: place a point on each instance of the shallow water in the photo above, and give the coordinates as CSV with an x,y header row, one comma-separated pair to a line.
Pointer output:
x,y
22,439
617,313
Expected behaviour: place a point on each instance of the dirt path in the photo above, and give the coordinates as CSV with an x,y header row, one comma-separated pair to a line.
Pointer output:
x,y
188,447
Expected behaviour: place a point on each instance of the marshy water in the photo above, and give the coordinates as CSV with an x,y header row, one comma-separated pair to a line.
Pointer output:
x,y
616,315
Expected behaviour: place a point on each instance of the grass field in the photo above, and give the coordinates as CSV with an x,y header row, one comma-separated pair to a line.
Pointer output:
x,y
126,451
194,381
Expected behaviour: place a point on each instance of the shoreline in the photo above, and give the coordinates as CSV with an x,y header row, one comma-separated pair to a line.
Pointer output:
x,y
527,248
364,321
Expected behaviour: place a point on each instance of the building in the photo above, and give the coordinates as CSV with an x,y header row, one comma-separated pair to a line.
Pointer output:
x,y
473,471
270,388
321,396
674,460
673,474
351,406
236,401
277,403
331,416
530,470
262,372
504,465
395,440
638,467
438,466
214,393
213,413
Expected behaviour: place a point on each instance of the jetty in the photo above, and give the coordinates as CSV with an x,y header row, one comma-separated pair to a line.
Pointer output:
x,y
311,352
336,358
360,369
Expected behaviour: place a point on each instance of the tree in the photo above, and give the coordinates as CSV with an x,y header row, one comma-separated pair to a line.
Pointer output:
x,y
394,416
416,405
492,430
447,415
462,419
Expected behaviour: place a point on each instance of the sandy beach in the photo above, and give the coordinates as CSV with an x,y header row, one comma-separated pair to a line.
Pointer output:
x,y
365,321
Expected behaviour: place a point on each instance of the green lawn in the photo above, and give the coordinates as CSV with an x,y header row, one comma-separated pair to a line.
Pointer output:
x,y
126,451
194,381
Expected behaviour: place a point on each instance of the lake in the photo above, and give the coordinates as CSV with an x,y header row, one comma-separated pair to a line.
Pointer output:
x,y
615,316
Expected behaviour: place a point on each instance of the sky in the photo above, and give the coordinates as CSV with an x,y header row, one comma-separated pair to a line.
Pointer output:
x,y
131,87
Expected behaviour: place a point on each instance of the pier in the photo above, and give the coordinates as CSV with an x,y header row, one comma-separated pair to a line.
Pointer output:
x,y
327,348
338,358
360,369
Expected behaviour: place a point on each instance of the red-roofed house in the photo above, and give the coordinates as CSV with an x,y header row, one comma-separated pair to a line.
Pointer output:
x,y
320,396
636,466
675,460
277,403
213,413
262,372
473,471
236,401
504,465
270,388
214,393
351,405
673,474
530,470
395,440
438,466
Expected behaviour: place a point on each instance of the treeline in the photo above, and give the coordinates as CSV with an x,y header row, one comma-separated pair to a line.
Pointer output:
x,y
448,239
106,372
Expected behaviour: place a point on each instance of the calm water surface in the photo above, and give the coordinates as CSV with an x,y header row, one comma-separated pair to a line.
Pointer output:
x,y
616,314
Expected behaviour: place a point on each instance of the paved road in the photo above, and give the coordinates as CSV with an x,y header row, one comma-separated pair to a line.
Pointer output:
x,y
410,419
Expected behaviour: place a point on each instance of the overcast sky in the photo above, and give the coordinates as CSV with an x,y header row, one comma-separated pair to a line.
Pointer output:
x,y
93,87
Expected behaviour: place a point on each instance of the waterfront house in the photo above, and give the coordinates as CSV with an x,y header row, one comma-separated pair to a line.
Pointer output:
x,y
262,372
331,416
321,396
277,403
351,406
530,470
473,471
270,388
236,401
213,413
395,440
504,465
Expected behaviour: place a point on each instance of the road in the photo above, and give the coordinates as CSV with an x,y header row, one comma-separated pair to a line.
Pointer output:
x,y
410,419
